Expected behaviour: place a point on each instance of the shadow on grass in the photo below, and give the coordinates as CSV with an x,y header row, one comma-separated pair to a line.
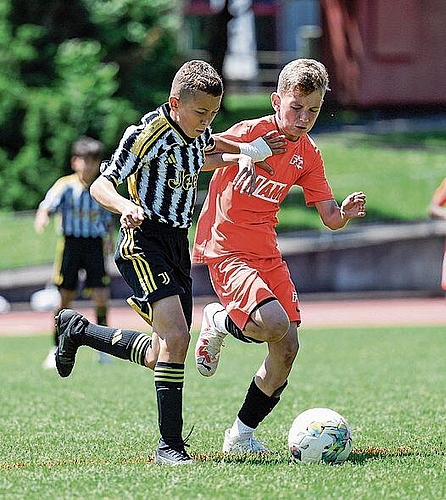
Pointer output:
x,y
360,456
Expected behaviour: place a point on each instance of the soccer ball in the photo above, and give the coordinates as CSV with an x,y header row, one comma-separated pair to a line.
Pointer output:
x,y
45,300
320,434
5,306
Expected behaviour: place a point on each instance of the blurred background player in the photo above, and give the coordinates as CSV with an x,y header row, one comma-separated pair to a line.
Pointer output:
x,y
237,240
86,230
437,210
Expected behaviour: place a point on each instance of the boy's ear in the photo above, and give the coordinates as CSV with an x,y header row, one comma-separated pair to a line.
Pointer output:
x,y
275,101
173,102
73,162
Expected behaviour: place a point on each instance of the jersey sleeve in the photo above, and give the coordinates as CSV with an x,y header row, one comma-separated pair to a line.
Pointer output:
x,y
53,197
314,182
126,159
209,142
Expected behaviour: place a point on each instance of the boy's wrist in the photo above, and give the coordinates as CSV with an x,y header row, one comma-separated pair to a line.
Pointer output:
x,y
257,149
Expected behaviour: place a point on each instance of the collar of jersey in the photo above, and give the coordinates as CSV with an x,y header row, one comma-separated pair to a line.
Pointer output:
x,y
165,110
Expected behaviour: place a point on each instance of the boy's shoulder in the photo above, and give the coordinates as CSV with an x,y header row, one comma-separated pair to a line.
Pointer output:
x,y
254,127
66,180
311,142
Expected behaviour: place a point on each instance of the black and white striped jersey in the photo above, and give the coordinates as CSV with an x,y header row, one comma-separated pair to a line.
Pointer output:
x,y
161,165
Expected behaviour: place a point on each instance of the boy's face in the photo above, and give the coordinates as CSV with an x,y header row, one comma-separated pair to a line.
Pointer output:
x,y
193,114
86,167
296,113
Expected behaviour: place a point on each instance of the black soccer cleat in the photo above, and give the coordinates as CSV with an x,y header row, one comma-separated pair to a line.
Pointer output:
x,y
166,455
70,325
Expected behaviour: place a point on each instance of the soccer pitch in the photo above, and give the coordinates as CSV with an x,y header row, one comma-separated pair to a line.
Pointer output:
x,y
91,436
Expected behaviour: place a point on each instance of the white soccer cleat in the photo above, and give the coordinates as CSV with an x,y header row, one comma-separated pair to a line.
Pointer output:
x,y
245,443
50,360
210,341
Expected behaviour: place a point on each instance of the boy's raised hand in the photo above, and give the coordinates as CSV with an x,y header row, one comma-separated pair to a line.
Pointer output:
x,y
354,205
276,142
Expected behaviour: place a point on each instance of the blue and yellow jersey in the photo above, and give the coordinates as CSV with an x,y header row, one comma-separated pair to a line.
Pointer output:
x,y
81,215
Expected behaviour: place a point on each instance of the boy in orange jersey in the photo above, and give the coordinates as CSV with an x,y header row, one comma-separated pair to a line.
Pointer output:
x,y
237,240
437,210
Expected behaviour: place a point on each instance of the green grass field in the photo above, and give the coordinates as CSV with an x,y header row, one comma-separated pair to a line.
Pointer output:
x,y
90,436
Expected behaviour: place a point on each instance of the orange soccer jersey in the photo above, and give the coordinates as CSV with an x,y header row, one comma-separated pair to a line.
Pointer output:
x,y
232,223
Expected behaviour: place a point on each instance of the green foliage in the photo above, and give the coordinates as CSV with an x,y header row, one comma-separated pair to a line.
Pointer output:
x,y
74,68
141,37
83,438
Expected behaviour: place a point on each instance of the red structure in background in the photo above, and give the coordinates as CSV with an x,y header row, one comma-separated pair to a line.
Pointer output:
x,y
378,52
385,52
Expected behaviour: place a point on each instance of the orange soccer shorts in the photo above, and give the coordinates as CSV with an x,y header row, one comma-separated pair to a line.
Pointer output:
x,y
242,284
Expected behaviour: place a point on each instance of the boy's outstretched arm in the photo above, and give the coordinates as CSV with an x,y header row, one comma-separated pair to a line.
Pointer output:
x,y
259,149
41,220
104,192
335,217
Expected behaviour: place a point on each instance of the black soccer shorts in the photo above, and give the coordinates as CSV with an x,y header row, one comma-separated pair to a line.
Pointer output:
x,y
77,254
155,262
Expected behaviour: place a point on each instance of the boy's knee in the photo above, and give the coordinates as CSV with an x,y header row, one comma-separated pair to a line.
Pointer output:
x,y
289,348
178,341
277,329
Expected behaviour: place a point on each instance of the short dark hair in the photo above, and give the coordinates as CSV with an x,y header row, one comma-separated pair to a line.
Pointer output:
x,y
194,76
88,147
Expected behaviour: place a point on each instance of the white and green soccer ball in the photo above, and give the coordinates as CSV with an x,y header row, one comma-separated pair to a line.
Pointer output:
x,y
320,435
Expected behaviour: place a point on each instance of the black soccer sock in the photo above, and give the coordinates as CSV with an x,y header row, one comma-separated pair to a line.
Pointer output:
x,y
124,344
235,331
257,406
101,315
169,380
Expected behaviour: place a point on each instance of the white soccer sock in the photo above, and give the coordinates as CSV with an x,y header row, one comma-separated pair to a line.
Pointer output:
x,y
239,428
220,321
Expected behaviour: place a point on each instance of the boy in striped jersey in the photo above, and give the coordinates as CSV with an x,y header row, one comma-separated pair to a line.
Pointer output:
x,y
160,158
86,228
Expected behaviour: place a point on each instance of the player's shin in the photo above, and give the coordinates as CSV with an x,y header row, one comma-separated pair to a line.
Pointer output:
x,y
125,344
258,405
169,379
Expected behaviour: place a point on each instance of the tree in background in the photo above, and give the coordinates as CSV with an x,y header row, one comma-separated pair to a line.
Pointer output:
x,y
72,68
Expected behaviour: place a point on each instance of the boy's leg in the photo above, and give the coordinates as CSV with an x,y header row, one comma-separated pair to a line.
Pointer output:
x,y
250,311
100,296
74,330
172,333
155,262
263,394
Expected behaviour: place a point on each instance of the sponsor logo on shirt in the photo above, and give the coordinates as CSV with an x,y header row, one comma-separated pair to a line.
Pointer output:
x,y
297,161
183,181
268,189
